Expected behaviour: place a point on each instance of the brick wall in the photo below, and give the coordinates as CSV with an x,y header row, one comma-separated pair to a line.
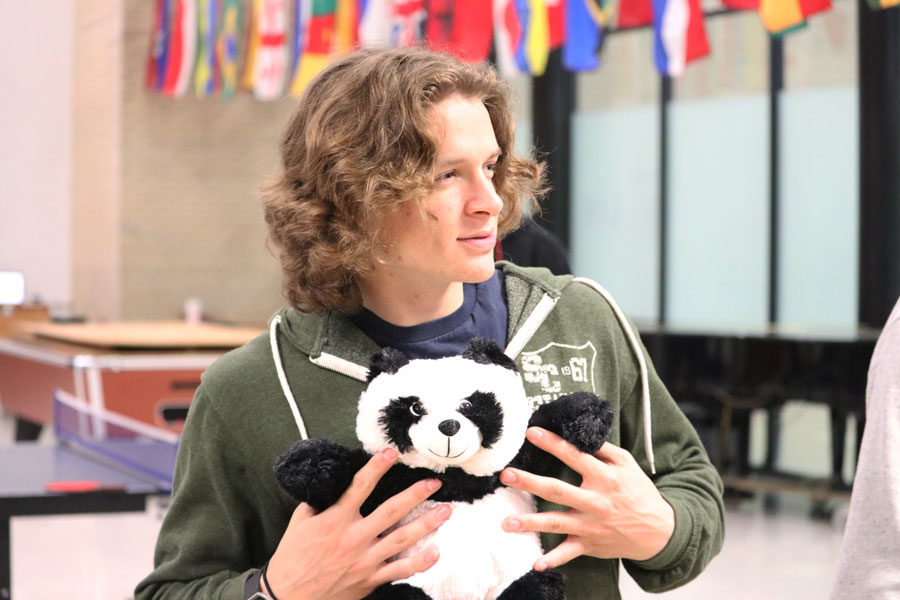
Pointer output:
x,y
166,189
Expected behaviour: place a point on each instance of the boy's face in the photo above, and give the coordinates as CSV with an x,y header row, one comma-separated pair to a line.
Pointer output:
x,y
453,239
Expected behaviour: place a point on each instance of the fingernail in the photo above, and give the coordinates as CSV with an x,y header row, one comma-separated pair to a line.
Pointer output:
x,y
512,524
507,476
433,484
534,433
431,556
444,512
389,454
540,566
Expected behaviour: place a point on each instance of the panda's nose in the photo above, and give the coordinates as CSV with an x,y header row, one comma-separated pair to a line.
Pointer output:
x,y
449,427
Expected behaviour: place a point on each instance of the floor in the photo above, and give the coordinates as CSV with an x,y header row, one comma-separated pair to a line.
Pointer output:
x,y
781,554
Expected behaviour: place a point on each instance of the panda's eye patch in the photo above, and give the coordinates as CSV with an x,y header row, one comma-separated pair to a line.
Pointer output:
x,y
397,417
483,409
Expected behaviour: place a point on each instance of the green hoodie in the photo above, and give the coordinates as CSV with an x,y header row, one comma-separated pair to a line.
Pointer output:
x,y
227,512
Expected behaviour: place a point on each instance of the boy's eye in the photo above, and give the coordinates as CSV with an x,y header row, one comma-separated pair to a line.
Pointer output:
x,y
447,175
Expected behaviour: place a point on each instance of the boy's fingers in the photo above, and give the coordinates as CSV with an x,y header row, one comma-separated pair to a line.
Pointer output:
x,y
406,567
398,506
550,442
367,478
570,549
404,537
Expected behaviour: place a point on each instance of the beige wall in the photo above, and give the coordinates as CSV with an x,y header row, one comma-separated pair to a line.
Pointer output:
x,y
166,189
35,139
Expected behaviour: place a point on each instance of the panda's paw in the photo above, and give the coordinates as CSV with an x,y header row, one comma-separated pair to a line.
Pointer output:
x,y
317,471
580,418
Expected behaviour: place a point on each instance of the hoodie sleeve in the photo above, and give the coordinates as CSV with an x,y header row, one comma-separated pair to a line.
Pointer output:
x,y
211,540
685,478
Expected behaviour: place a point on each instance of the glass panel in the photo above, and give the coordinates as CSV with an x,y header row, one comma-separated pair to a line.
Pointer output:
x,y
615,174
718,215
819,194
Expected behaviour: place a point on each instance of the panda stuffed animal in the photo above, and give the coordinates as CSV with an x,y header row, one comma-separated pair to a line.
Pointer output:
x,y
460,419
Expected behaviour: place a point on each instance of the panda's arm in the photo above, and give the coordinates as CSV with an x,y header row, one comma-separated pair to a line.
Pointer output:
x,y
318,471
580,418
397,479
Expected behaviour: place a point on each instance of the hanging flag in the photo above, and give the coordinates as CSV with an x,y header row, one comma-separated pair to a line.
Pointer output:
x,y
346,27
375,23
635,13
741,4
507,35
679,34
556,20
473,24
271,55
537,37
204,82
439,25
585,22
407,23
783,16
251,45
299,19
157,60
463,28
227,53
317,47
182,48
879,4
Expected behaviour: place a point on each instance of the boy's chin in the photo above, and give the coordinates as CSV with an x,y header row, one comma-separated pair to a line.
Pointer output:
x,y
480,274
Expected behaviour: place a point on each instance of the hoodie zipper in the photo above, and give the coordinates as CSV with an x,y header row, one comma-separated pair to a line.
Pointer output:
x,y
532,324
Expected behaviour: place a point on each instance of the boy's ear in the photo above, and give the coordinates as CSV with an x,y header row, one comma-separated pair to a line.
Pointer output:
x,y
485,351
387,360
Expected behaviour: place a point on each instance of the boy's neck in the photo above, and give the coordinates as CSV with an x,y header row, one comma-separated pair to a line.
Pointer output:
x,y
407,306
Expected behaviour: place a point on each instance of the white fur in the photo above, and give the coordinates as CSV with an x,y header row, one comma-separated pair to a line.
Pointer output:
x,y
441,385
478,559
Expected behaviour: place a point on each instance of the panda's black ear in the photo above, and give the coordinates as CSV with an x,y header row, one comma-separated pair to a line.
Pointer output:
x,y
386,360
485,351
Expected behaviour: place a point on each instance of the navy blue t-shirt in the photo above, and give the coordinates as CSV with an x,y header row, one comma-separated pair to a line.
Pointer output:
x,y
483,314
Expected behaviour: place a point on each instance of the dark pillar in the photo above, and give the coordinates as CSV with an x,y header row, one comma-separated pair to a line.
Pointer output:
x,y
879,168
776,84
553,103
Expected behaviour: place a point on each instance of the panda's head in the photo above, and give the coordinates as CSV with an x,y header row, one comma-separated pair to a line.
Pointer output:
x,y
467,411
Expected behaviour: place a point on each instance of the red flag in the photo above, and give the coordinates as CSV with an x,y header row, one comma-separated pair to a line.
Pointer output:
x,y
556,15
741,4
635,13
473,27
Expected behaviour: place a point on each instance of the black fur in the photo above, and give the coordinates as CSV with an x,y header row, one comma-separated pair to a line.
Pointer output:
x,y
397,591
458,486
486,413
580,418
318,471
536,585
485,351
397,417
386,360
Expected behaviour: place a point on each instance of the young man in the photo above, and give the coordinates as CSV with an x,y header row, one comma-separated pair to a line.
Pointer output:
x,y
398,177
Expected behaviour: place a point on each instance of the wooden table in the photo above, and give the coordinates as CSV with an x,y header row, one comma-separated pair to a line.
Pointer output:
x,y
149,374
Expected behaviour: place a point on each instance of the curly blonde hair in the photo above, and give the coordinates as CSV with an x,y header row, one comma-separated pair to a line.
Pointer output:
x,y
359,145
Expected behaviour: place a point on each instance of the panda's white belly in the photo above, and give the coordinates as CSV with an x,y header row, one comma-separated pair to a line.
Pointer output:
x,y
478,559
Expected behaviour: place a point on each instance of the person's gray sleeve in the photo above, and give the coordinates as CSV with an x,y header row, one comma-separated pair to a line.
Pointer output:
x,y
869,563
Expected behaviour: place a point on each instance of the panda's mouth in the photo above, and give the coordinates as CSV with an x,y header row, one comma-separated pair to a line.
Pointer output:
x,y
447,455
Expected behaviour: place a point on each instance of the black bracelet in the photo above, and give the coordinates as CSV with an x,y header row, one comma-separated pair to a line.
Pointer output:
x,y
266,582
